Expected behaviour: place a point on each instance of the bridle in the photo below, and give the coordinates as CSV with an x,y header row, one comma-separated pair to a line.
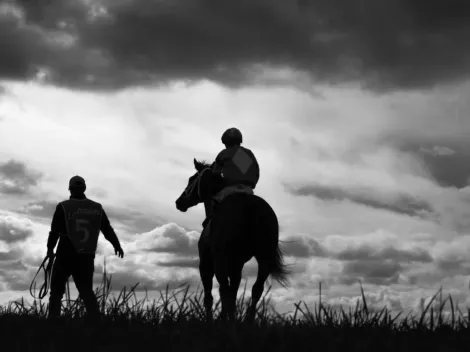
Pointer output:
x,y
196,183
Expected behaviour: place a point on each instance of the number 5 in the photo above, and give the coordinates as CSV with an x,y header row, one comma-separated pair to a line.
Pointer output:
x,y
83,229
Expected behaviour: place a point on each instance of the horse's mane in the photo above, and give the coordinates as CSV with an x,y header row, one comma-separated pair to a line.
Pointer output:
x,y
204,163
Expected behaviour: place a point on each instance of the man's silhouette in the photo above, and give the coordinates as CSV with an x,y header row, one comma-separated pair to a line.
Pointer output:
x,y
76,224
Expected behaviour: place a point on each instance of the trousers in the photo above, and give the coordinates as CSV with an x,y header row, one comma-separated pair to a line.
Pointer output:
x,y
81,267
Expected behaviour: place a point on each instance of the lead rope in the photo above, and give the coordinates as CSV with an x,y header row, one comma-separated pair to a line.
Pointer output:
x,y
47,268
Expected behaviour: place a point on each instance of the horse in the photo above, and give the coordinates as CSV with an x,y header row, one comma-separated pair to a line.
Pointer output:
x,y
243,226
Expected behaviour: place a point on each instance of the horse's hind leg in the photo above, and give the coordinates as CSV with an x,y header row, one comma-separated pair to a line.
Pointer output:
x,y
206,271
235,279
258,288
224,290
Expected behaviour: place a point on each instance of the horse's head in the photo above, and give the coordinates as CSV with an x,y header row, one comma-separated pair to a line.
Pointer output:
x,y
198,189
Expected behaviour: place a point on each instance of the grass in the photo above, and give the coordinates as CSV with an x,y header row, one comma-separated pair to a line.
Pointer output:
x,y
175,322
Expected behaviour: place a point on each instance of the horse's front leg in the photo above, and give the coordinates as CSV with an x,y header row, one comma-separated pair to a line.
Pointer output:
x,y
206,271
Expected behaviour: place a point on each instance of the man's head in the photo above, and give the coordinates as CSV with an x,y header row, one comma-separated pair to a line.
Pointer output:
x,y
77,185
232,137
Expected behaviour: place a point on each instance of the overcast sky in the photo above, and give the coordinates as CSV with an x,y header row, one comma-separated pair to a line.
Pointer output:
x,y
357,111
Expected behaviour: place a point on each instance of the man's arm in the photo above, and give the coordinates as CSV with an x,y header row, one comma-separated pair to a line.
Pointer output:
x,y
108,231
57,227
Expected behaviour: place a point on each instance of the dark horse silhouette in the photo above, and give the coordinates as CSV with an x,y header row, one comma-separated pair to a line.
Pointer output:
x,y
243,227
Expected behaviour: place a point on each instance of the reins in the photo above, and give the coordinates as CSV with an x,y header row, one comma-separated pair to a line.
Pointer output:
x,y
47,268
196,183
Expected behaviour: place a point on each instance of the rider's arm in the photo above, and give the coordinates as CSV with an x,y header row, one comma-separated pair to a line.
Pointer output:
x,y
257,175
218,163
257,171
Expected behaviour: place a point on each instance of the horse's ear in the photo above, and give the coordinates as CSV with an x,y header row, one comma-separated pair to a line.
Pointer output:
x,y
196,164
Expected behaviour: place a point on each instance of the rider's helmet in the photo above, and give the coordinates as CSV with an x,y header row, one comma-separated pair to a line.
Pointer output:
x,y
231,137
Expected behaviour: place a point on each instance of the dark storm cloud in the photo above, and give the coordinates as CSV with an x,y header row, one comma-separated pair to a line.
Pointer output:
x,y
385,44
6,256
303,247
448,165
378,272
307,247
388,253
397,203
16,178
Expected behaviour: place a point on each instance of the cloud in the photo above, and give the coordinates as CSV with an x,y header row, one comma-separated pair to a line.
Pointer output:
x,y
149,277
16,178
123,278
438,151
180,263
169,238
394,45
135,221
378,258
415,254
399,203
375,300
378,272
13,274
43,209
10,255
447,166
14,230
303,247
452,256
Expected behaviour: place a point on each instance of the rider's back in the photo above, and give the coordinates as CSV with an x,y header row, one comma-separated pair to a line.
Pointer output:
x,y
239,166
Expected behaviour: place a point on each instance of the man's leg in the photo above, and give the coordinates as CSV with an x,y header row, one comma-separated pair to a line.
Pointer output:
x,y
206,231
205,235
60,274
83,276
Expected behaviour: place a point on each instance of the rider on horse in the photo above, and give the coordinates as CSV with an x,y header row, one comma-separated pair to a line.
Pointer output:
x,y
238,168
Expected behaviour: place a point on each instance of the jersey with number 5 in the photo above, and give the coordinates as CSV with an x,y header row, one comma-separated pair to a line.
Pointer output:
x,y
83,220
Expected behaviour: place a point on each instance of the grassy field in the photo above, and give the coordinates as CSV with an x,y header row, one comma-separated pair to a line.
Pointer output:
x,y
175,322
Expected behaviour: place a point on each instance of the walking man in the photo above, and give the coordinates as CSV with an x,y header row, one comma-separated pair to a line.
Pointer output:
x,y
76,224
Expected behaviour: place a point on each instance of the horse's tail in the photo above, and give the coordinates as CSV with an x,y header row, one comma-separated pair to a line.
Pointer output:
x,y
273,252
278,269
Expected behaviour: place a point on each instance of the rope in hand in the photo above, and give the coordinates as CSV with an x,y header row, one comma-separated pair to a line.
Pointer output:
x,y
47,268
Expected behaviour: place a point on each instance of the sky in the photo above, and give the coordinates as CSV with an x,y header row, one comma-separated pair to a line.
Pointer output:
x,y
357,112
